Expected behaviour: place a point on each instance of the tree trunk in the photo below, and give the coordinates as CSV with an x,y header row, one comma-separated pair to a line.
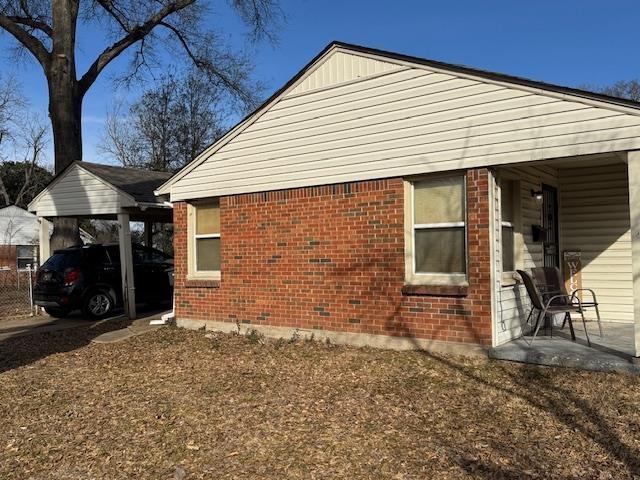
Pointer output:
x,y
65,108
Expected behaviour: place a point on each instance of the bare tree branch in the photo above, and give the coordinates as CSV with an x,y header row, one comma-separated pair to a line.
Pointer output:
x,y
30,42
35,142
134,35
33,23
117,15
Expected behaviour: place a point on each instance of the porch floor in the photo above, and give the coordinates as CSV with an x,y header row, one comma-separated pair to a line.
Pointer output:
x,y
614,352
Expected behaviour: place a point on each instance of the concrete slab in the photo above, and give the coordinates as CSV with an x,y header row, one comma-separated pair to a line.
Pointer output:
x,y
44,323
137,327
613,352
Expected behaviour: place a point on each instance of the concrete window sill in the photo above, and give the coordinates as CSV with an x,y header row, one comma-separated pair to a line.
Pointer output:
x,y
201,283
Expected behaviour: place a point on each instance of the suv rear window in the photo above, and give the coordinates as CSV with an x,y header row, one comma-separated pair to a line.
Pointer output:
x,y
60,261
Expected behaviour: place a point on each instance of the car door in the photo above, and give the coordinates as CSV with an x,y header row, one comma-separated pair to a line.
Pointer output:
x,y
150,269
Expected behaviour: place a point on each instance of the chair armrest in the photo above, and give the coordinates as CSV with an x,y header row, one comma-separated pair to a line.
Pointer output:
x,y
593,294
570,297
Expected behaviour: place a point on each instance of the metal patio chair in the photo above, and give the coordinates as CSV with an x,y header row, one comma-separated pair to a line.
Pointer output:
x,y
550,282
552,305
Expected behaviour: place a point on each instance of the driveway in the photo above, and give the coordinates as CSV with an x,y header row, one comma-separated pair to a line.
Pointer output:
x,y
43,323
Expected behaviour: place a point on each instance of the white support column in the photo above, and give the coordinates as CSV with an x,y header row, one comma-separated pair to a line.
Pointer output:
x,y
148,234
44,240
126,266
633,166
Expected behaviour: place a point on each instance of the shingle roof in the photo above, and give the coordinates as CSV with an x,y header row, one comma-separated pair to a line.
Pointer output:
x,y
138,183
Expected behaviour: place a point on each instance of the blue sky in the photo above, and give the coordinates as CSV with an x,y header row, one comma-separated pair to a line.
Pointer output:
x,y
569,42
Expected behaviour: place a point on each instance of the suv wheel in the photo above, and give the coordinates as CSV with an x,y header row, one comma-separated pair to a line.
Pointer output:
x,y
57,312
97,304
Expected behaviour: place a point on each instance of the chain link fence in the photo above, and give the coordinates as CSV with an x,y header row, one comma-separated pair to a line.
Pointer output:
x,y
16,292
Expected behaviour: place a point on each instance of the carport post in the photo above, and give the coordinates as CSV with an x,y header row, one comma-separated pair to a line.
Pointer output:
x,y
44,240
126,266
633,166
148,234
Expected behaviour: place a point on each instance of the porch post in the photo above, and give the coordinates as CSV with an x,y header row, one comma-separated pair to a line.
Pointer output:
x,y
44,240
633,166
126,266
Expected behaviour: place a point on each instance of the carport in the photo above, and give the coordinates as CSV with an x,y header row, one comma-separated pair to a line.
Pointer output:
x,y
95,191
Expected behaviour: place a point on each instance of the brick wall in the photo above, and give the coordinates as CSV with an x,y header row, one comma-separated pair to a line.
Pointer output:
x,y
332,258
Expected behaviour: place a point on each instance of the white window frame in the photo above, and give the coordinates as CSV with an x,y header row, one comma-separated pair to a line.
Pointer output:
x,y
192,249
437,278
508,276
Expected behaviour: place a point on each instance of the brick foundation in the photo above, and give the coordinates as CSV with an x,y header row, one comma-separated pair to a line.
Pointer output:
x,y
332,258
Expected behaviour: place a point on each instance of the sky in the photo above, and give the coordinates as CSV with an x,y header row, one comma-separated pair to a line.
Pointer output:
x,y
567,42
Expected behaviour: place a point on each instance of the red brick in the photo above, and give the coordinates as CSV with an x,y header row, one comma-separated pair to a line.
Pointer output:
x,y
303,257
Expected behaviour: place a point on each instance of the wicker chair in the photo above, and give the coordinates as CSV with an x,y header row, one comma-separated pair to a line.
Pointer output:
x,y
555,304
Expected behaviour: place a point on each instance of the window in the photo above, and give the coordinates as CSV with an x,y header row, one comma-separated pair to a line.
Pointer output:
x,y
438,229
206,238
25,256
507,209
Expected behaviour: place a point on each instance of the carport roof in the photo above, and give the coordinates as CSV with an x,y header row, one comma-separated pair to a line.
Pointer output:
x,y
85,189
138,183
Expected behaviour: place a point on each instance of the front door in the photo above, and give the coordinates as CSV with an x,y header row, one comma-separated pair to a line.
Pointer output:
x,y
550,242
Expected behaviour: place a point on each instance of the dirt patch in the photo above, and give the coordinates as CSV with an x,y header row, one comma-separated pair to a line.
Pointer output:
x,y
179,404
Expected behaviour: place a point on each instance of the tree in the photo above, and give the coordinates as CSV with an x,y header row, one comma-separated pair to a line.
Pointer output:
x,y
22,181
168,125
47,31
23,139
629,89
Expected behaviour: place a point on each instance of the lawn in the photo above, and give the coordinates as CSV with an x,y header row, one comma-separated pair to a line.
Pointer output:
x,y
183,404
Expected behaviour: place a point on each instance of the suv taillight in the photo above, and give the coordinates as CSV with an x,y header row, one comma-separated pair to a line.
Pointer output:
x,y
71,276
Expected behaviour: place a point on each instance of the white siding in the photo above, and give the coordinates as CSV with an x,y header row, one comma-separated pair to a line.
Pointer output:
x,y
339,68
402,122
594,212
79,192
512,299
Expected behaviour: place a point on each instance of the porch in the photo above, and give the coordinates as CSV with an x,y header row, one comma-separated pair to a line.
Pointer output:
x,y
577,214
614,352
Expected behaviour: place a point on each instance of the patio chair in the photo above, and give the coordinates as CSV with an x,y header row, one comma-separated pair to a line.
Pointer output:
x,y
549,281
553,305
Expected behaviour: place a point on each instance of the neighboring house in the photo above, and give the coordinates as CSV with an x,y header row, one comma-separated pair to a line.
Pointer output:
x,y
383,196
19,238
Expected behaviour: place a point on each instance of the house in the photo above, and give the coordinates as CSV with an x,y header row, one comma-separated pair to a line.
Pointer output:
x,y
389,200
19,238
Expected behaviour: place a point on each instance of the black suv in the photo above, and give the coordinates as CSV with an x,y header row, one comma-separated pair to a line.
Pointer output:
x,y
88,278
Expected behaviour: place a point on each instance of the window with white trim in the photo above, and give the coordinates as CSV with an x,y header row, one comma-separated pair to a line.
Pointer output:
x,y
25,255
439,228
206,238
507,223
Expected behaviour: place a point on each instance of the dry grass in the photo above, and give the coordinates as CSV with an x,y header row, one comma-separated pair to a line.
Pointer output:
x,y
176,404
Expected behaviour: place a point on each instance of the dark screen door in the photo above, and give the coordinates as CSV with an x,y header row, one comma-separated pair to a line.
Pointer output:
x,y
550,243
